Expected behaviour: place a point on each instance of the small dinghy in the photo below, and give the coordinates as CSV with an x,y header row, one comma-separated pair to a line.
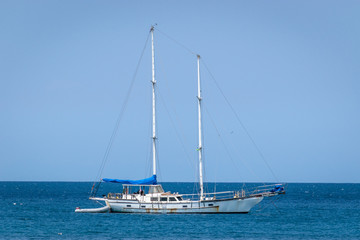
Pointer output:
x,y
92,210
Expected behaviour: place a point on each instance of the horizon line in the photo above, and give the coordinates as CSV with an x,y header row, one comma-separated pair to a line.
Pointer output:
x,y
88,181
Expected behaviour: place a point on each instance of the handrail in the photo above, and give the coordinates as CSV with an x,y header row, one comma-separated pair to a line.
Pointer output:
x,y
271,185
267,190
207,193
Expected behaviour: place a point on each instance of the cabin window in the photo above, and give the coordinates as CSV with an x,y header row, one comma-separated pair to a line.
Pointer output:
x,y
179,198
128,205
172,199
142,206
184,205
211,205
163,199
154,199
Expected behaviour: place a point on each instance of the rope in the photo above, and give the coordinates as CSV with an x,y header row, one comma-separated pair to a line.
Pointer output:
x,y
227,101
224,145
269,204
115,130
176,130
241,123
158,165
175,41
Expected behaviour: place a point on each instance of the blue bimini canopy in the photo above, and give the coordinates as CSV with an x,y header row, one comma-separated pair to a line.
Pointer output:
x,y
146,181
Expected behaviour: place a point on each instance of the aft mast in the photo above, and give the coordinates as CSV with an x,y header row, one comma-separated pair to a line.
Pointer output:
x,y
153,100
200,136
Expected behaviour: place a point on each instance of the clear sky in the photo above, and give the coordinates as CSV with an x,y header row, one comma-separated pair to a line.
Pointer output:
x,y
289,68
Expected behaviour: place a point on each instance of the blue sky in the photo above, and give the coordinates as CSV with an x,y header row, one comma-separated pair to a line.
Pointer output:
x,y
289,68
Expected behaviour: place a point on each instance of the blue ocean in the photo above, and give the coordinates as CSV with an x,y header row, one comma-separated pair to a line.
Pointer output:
x,y
45,210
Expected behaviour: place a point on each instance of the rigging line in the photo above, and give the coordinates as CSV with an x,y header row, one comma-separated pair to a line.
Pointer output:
x,y
226,149
176,131
148,171
205,185
114,133
204,158
269,204
100,203
241,123
175,41
180,135
95,189
222,141
159,173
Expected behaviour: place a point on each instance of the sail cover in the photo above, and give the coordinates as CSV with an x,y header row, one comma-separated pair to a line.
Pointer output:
x,y
146,181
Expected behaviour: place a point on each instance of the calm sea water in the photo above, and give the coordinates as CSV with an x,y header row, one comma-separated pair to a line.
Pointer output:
x,y
45,210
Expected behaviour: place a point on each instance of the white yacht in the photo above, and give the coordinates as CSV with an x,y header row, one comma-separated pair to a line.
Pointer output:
x,y
147,196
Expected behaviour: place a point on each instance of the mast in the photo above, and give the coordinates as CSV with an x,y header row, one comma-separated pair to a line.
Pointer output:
x,y
153,100
200,137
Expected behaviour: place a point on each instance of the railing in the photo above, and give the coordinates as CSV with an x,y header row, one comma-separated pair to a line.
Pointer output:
x,y
260,191
268,190
121,196
210,196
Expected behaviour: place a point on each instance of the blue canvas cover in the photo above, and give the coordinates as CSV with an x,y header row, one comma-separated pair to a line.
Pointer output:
x,y
277,188
147,181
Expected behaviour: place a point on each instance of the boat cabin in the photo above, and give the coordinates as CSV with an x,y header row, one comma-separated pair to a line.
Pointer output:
x,y
142,189
145,193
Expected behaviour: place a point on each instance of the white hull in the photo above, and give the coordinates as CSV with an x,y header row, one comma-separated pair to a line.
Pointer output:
x,y
211,206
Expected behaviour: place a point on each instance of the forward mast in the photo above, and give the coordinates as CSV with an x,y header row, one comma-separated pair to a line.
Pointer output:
x,y
153,101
